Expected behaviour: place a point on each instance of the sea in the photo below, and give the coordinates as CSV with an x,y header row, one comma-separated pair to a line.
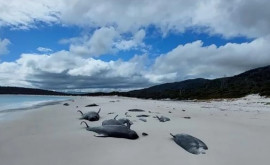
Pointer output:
x,y
15,103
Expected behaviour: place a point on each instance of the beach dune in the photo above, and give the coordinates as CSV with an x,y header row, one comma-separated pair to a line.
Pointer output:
x,y
235,131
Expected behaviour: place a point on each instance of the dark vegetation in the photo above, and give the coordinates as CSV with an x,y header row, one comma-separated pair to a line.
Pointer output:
x,y
28,91
256,81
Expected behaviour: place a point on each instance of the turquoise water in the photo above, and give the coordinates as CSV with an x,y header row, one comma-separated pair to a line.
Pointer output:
x,y
11,102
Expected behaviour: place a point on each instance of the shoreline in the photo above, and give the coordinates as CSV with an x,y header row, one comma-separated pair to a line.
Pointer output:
x,y
34,106
31,105
53,134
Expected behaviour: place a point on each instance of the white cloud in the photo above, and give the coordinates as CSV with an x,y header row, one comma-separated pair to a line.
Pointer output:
x,y
105,40
229,18
135,42
42,49
4,46
24,14
11,75
192,60
63,71
235,17
99,43
121,26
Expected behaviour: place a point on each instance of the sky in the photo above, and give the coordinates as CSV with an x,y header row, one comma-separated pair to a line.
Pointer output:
x,y
107,45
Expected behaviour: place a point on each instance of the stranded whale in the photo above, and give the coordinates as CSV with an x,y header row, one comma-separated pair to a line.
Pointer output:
x,y
114,121
190,143
163,118
119,131
91,116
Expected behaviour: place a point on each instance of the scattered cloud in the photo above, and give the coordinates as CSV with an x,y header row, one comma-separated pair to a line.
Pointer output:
x,y
192,60
4,46
65,71
228,18
61,70
116,27
98,44
105,40
25,14
134,43
44,50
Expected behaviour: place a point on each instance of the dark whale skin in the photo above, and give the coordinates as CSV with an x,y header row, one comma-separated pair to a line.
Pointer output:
x,y
119,131
91,116
190,144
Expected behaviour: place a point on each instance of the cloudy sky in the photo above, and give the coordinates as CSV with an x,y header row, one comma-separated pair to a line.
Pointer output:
x,y
104,45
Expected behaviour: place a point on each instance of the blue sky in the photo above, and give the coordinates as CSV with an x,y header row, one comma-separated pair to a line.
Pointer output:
x,y
107,47
27,41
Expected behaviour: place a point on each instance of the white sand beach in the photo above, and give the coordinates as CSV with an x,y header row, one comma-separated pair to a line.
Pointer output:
x,y
236,131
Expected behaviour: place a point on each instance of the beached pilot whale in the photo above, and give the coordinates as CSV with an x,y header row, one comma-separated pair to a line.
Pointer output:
x,y
117,122
163,118
127,115
118,131
125,121
91,116
190,143
111,121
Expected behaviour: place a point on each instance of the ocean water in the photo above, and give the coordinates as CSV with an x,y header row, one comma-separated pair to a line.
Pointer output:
x,y
21,102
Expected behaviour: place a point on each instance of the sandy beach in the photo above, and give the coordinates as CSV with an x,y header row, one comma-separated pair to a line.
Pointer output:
x,y
236,131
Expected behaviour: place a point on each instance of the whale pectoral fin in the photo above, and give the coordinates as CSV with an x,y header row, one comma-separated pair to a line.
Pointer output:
x,y
101,135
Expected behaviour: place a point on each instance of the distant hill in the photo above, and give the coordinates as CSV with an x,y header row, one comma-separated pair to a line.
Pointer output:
x,y
28,91
256,81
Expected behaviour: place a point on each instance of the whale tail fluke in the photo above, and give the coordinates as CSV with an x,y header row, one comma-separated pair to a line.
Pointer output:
x,y
80,111
85,124
172,135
